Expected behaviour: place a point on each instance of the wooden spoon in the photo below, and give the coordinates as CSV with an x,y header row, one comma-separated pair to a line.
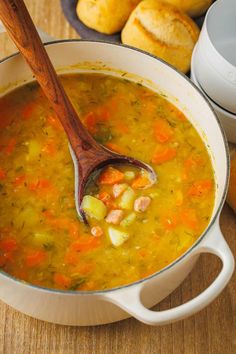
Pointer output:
x,y
88,156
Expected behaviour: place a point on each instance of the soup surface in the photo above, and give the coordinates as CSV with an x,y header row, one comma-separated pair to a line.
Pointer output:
x,y
135,227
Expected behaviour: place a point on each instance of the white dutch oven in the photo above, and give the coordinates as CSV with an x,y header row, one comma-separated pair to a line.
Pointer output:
x,y
99,307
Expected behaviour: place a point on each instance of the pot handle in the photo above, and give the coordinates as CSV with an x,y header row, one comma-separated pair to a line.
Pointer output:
x,y
130,301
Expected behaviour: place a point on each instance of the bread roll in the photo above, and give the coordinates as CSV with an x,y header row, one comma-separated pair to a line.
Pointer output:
x,y
106,16
231,197
193,8
163,30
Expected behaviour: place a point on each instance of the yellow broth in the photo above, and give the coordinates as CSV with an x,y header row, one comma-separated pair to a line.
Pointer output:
x,y
42,240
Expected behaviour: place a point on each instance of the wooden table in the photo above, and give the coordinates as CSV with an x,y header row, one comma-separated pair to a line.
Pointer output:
x,y
212,331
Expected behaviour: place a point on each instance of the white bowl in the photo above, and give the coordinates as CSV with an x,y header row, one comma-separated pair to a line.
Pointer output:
x,y
227,119
215,54
105,306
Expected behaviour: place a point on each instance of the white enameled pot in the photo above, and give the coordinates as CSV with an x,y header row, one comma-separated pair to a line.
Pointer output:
x,y
100,307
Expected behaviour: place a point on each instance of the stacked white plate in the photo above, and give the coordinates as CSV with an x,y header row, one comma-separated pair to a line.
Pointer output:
x,y
213,67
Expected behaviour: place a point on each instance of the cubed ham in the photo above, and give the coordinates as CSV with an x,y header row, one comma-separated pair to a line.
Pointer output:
x,y
141,204
118,189
115,216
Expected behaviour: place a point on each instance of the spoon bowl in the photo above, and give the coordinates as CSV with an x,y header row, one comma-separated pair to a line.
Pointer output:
x,y
101,158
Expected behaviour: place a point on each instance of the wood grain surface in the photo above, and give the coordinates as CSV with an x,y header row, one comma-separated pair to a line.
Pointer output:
x,y
212,331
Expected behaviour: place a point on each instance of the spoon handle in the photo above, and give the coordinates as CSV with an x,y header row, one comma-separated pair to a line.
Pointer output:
x,y
21,29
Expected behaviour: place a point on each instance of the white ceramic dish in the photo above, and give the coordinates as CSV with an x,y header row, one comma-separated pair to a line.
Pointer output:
x,y
99,307
227,119
215,54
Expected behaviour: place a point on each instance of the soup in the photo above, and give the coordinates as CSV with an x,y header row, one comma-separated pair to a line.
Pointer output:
x,y
135,227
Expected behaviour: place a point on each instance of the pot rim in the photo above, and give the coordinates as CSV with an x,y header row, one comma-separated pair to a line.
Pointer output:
x,y
201,237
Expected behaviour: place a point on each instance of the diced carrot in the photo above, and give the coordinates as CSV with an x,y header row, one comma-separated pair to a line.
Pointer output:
x,y
170,221
28,110
10,146
71,257
104,197
49,148
140,182
35,258
62,280
164,154
122,128
107,199
19,180
114,147
86,244
90,122
200,188
48,214
3,261
111,176
9,244
42,184
3,174
54,122
162,131
189,218
104,114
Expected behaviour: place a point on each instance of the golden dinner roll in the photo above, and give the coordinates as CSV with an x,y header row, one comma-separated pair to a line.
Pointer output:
x,y
106,16
231,197
193,8
163,30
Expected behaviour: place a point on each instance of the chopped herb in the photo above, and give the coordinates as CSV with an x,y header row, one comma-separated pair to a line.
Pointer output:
x,y
48,246
77,283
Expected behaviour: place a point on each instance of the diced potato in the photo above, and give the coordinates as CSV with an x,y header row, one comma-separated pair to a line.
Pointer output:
x,y
34,149
129,175
27,216
117,237
128,220
43,239
127,199
94,207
